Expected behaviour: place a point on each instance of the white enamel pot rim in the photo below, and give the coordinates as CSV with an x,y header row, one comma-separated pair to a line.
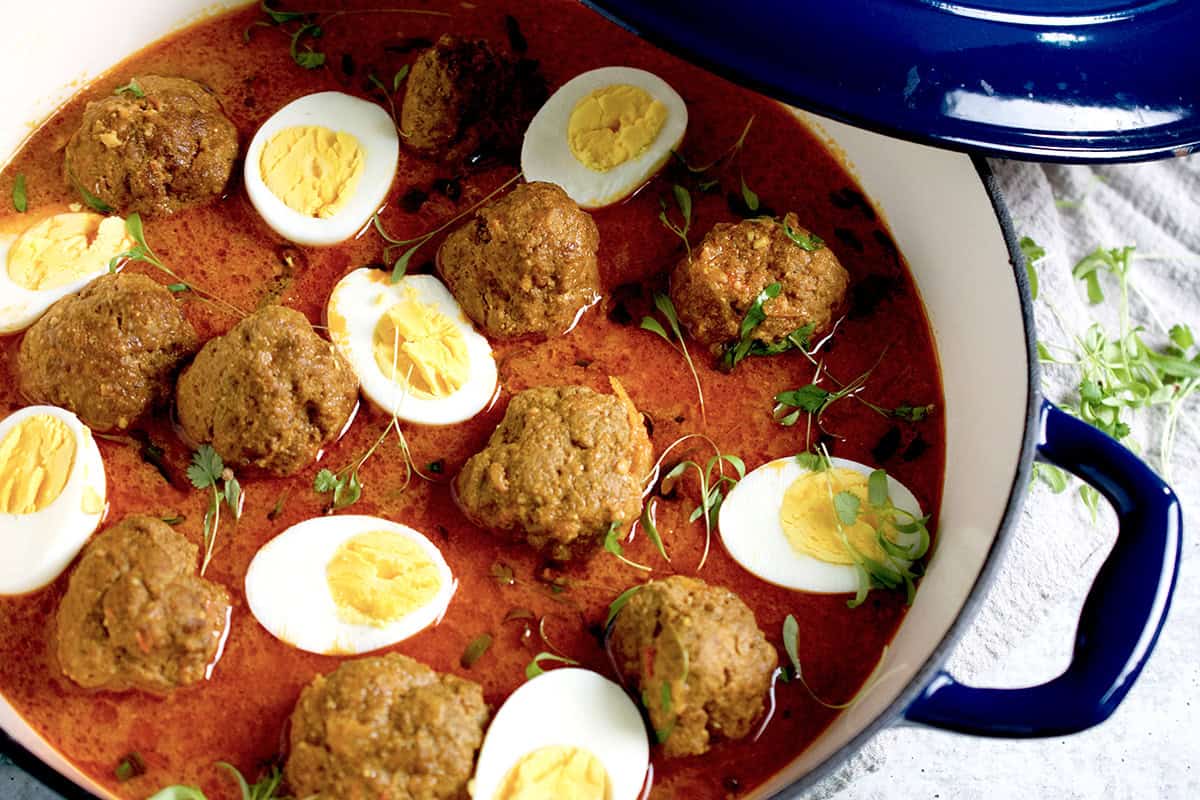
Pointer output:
x,y
947,218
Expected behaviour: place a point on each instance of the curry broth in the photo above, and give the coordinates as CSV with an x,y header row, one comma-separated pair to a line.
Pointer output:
x,y
240,714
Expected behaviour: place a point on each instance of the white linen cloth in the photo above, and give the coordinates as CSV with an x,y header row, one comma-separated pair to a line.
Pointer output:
x,y
1024,632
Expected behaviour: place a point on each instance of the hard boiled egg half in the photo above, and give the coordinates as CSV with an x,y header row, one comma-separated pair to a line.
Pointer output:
x,y
603,134
350,584
319,168
52,495
566,733
43,262
780,523
411,346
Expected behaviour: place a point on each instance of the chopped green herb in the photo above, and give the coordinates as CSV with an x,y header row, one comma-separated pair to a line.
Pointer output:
x,y
535,666
276,512
208,471
131,88
19,198
174,520
475,650
131,766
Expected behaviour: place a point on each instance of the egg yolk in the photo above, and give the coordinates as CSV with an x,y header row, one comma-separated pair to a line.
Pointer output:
x,y
64,248
312,169
379,577
614,124
36,458
557,772
810,521
420,347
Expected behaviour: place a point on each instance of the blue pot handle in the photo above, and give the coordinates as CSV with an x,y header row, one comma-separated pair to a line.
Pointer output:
x,y
1121,618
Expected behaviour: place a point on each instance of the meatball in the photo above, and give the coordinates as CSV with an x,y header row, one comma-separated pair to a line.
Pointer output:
x,y
153,154
109,353
563,466
701,641
714,287
136,616
269,394
458,93
387,726
526,264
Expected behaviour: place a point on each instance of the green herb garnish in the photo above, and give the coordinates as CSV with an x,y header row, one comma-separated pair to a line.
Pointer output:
x,y
810,241
92,201
535,668
612,544
619,603
475,650
411,246
19,198
648,522
131,766
748,196
208,471
131,88
663,303
683,201
503,574
178,792
713,480
399,77
263,789
174,520
755,316
1033,253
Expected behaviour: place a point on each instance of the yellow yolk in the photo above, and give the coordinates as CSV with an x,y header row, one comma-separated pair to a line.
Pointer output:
x,y
811,524
418,346
378,577
312,169
64,248
35,462
557,772
613,125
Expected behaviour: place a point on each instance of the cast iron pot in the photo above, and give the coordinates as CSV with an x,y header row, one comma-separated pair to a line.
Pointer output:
x,y
948,219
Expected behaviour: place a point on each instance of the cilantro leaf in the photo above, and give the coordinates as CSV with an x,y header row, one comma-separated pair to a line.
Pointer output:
x,y
847,506
206,467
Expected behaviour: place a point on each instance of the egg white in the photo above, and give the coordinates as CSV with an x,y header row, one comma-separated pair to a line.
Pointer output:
x,y
21,307
361,298
546,152
574,708
376,134
752,531
39,546
289,595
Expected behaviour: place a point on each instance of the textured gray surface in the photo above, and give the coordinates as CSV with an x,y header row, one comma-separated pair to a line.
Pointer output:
x,y
1151,747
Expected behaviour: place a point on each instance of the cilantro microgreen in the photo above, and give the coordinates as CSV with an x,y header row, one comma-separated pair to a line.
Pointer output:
x,y
1033,253
475,650
662,302
683,202
651,526
847,506
534,668
619,603
263,789
805,241
749,197
723,160
132,88
178,792
280,17
130,767
612,544
93,202
20,199
713,483
399,77
755,316
791,637
208,471
813,462
411,246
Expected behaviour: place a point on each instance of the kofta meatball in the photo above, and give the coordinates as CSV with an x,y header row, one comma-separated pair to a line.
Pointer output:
x,y
109,353
156,150
457,94
704,643
562,467
136,616
268,394
714,286
387,726
526,264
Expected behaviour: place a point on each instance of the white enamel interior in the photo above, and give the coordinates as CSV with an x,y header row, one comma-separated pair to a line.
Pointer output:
x,y
938,213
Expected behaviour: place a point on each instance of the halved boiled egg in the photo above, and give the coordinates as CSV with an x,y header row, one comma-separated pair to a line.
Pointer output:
x,y
411,346
52,258
603,134
566,733
52,495
350,584
780,523
321,166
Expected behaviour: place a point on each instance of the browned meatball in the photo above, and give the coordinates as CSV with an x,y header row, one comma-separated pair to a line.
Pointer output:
x,y
564,464
270,393
136,616
109,353
526,264
704,643
460,92
385,727
714,288
153,154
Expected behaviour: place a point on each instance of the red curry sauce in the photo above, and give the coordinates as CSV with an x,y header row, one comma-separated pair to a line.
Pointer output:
x,y
239,715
